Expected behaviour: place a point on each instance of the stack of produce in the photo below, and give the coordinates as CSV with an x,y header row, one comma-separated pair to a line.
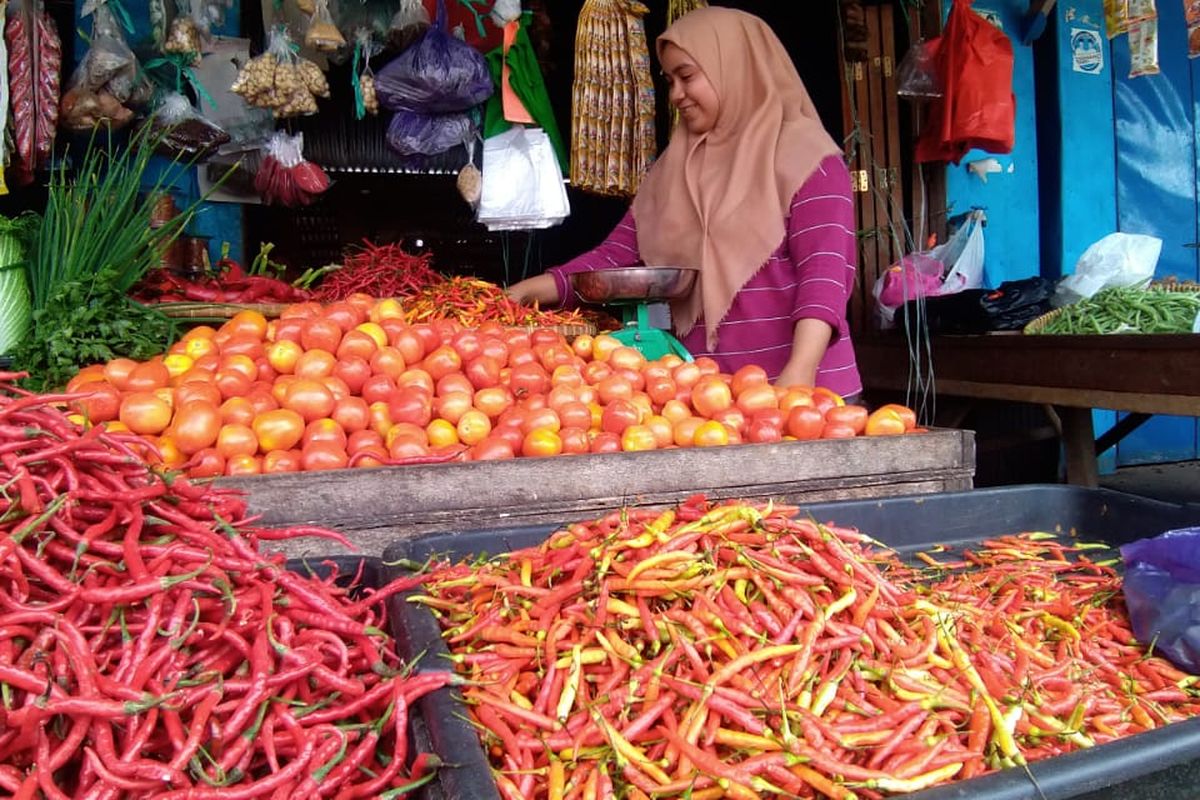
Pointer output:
x,y
733,651
1126,310
378,271
150,648
612,103
230,284
353,384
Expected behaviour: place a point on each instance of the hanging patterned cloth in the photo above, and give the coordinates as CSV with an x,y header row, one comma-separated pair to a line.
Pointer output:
x,y
612,103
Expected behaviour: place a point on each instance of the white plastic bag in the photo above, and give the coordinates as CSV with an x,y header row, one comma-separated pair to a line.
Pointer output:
x,y
1117,260
522,182
949,268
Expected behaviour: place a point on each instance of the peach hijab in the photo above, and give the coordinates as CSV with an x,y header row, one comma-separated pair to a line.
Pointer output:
x,y
719,201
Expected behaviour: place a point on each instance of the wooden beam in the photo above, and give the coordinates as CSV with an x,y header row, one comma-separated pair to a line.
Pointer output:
x,y
1123,428
1080,445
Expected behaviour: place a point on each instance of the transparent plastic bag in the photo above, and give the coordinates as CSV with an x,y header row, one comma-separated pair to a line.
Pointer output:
x,y
1118,260
322,35
437,74
413,133
949,268
366,100
108,81
183,37
184,132
917,74
408,23
522,182
1162,593
285,177
281,80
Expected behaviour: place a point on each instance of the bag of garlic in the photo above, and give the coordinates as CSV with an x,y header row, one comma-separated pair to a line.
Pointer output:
x,y
281,80
322,35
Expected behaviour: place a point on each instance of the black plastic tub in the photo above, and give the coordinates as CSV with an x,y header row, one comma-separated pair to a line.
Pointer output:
x,y
1159,765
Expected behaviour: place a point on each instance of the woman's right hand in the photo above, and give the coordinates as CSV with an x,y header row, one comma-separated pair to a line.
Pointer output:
x,y
540,289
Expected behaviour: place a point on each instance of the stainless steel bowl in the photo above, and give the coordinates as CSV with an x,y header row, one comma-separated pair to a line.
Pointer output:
x,y
634,283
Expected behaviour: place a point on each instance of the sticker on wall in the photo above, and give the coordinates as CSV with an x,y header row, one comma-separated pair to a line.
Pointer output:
x,y
1191,13
1116,17
1087,51
1143,48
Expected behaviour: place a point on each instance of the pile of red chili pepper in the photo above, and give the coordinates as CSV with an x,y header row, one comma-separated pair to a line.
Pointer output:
x,y
149,649
229,283
378,270
733,651
472,302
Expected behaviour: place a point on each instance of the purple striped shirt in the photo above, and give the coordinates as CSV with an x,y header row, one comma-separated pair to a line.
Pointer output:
x,y
809,276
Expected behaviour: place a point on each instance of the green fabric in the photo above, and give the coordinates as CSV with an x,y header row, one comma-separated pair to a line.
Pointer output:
x,y
526,81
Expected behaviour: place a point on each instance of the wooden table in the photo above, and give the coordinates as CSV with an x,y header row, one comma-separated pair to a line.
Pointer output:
x,y
1143,375
375,507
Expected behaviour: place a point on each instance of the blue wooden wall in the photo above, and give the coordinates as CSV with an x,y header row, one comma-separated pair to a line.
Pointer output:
x,y
222,222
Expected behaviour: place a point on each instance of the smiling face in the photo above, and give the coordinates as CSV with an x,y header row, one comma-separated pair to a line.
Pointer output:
x,y
690,90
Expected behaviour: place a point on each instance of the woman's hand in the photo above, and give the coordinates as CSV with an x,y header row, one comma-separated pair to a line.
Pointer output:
x,y
809,343
540,289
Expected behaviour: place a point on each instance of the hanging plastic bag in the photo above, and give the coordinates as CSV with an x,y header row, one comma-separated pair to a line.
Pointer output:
x,y
284,177
281,80
1162,593
407,24
470,180
439,73
412,133
183,37
181,130
955,266
35,61
505,11
917,74
322,35
366,100
978,109
523,185
108,82
1118,260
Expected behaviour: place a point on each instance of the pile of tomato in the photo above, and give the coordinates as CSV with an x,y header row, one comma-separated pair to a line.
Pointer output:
x,y
351,384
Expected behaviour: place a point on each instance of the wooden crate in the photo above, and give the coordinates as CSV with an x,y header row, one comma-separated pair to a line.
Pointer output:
x,y
376,507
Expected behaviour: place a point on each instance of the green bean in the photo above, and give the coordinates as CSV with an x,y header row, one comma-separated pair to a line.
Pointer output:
x,y
1127,310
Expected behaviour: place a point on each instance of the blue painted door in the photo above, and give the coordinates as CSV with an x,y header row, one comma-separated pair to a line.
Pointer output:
x,y
1157,189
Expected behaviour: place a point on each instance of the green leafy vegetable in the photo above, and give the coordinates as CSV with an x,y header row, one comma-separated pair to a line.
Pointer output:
x,y
15,308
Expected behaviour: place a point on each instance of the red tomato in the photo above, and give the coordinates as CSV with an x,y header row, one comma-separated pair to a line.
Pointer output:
x,y
357,343
663,430
353,414
491,449
360,439
412,406
243,465
614,387
373,455
756,398
660,390
764,430
575,440
197,390
746,377
707,366
454,382
511,434
451,407
237,410
805,422
195,426
606,443
378,389
352,371
468,345
575,415
323,431
619,415
838,430
206,463
231,383
280,429
278,461
323,455
409,345
262,401
315,364
596,371
686,375
528,379
288,330
321,334
388,361
416,379
406,447
344,314
493,401
441,362
544,418
103,402
854,416
251,347
731,418
483,372
144,413
147,377
337,387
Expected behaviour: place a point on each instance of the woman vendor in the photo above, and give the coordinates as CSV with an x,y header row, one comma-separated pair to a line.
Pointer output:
x,y
753,192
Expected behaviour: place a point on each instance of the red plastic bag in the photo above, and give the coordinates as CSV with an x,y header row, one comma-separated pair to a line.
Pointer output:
x,y
975,62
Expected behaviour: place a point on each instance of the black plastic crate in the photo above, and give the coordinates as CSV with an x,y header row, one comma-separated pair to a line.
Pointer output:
x,y
1159,765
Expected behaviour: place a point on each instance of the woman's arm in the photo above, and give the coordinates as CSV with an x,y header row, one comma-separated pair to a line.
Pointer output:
x,y
822,245
554,286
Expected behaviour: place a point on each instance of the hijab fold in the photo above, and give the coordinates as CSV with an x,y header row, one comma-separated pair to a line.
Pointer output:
x,y
718,201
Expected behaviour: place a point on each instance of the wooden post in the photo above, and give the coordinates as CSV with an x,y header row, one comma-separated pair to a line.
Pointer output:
x,y
1079,441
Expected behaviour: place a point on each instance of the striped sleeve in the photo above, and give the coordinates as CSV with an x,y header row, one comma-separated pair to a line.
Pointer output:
x,y
821,244
618,250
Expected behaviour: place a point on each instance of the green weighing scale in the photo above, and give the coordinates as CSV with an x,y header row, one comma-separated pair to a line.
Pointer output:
x,y
633,290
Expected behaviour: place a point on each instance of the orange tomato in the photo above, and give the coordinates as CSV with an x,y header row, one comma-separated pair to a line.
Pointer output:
x,y
417,379
473,427
237,410
793,397
169,454
177,364
907,415
541,442
575,441
144,413
493,401
357,343
243,465
321,334
231,383
637,438
387,308
235,440
710,395
603,347
441,362
453,406
685,431
582,346
283,356
746,377
756,398
311,399
884,422
710,434
118,370
197,390
247,323
195,426
676,411
280,429
707,366
854,416
197,349
686,375
441,433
